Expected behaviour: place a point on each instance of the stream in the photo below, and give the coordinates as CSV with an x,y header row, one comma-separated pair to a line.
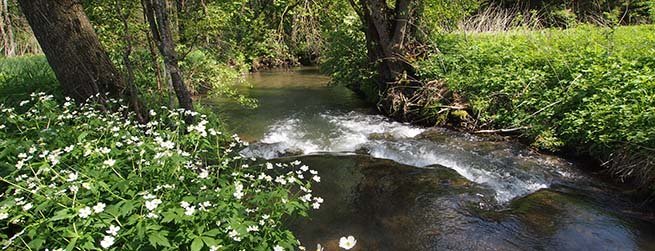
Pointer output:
x,y
396,186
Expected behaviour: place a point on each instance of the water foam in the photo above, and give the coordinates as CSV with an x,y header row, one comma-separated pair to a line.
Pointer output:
x,y
381,138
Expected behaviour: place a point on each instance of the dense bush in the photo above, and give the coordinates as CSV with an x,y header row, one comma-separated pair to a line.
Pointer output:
x,y
588,89
84,178
205,74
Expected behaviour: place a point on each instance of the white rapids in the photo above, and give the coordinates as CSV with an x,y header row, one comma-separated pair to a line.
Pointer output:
x,y
508,171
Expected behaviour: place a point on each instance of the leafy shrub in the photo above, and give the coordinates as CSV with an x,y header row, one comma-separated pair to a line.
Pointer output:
x,y
84,178
346,60
589,89
204,74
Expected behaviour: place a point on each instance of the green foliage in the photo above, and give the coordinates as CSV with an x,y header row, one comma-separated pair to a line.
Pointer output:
x,y
83,179
591,89
561,13
345,59
445,15
203,73
20,76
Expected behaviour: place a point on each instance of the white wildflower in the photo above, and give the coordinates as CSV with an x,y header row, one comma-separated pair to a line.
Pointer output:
x,y
4,215
85,212
347,242
72,177
278,248
234,235
99,208
152,204
109,162
238,195
20,164
27,206
281,180
107,241
113,230
204,174
184,204
103,150
69,148
253,228
190,210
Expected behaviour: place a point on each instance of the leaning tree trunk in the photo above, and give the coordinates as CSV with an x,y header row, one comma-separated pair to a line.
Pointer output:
x,y
160,26
72,48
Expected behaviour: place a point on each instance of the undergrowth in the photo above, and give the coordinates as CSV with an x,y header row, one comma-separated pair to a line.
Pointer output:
x,y
590,89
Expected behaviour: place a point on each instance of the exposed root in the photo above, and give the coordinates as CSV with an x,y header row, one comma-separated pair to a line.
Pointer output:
x,y
426,103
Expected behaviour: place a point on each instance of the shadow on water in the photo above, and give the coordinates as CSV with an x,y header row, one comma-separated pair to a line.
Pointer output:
x,y
390,206
399,187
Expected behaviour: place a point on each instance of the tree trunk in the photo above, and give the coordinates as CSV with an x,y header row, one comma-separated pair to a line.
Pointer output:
x,y
72,48
8,31
386,37
161,30
131,87
387,34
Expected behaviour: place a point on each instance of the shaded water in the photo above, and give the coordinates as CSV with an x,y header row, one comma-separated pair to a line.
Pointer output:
x,y
401,187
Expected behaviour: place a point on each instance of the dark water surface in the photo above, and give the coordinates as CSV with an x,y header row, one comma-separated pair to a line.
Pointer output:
x,y
400,187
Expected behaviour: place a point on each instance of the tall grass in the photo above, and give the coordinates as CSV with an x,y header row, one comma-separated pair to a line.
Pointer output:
x,y
20,76
497,19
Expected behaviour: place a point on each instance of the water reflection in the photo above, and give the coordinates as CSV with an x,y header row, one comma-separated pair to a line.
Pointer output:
x,y
391,206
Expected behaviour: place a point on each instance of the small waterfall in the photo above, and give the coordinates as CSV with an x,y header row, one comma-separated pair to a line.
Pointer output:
x,y
509,174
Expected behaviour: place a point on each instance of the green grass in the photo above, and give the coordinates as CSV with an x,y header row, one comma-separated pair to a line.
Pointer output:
x,y
20,76
588,89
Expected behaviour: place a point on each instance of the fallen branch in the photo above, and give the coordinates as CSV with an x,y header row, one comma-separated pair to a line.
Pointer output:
x,y
510,130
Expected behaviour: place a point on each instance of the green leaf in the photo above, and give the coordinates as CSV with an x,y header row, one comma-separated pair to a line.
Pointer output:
x,y
212,232
80,138
197,244
210,241
168,217
36,243
71,244
62,214
156,238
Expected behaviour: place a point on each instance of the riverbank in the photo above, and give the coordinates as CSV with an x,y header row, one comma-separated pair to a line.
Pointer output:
x,y
396,186
587,90
85,176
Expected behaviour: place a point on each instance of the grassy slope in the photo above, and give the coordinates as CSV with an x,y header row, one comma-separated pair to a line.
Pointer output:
x,y
589,89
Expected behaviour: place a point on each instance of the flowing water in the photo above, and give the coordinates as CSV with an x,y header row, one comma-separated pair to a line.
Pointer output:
x,y
397,186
